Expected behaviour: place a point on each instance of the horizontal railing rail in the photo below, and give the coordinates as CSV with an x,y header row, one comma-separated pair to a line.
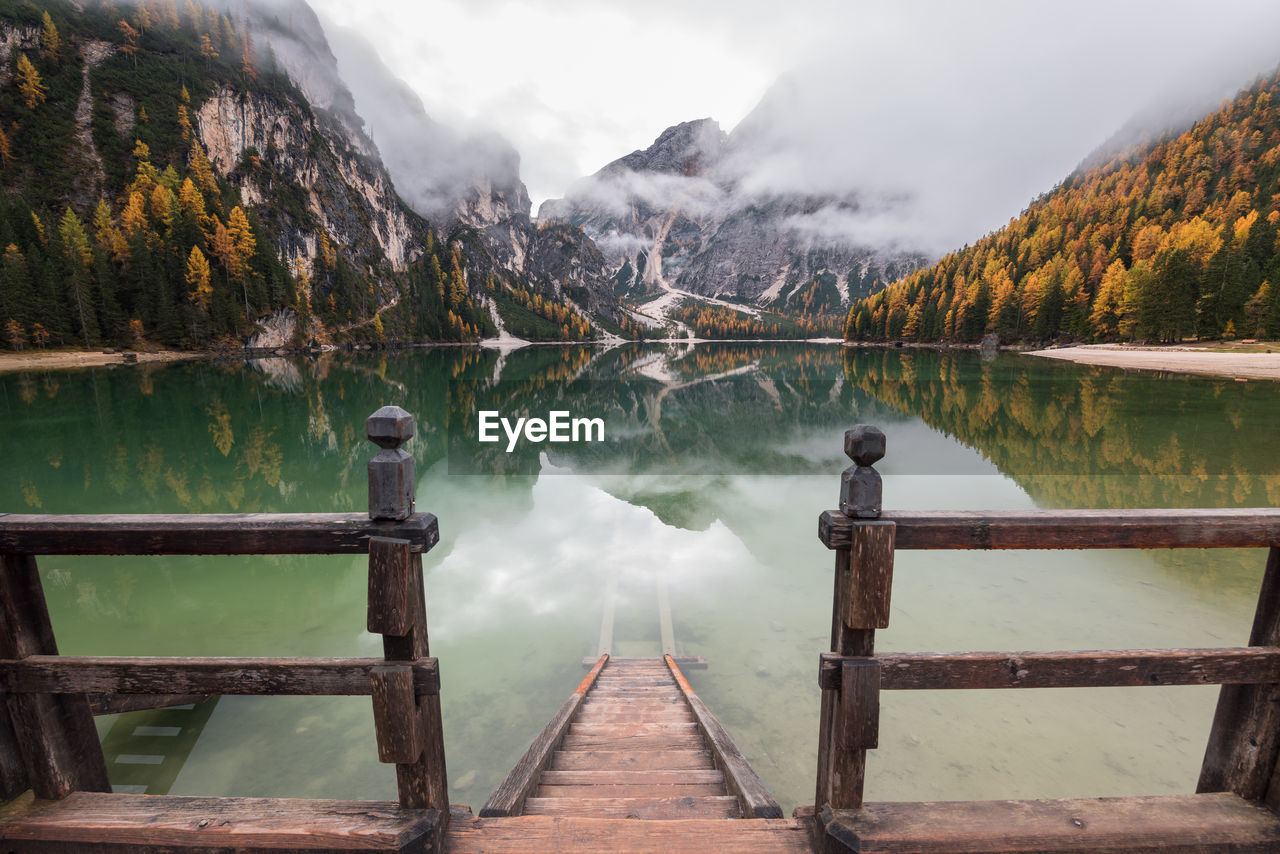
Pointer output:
x,y
1109,668
1065,529
210,533
66,674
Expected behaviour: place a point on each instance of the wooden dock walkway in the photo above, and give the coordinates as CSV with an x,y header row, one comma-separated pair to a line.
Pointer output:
x,y
632,742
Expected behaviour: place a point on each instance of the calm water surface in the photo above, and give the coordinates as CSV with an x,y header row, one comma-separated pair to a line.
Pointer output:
x,y
718,460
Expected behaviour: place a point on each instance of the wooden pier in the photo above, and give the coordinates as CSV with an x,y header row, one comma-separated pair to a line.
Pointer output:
x,y
633,761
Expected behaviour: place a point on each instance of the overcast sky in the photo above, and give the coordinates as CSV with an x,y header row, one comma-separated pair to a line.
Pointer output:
x,y
966,110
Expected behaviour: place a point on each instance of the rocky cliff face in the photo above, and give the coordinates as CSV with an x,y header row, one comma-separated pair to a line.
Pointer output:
x,y
680,214
260,142
467,184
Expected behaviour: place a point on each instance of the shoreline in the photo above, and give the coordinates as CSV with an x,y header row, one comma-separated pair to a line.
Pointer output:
x,y
53,360
49,360
1223,360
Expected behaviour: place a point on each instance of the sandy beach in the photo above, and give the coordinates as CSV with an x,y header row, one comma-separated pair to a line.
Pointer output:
x,y
46,360
1238,361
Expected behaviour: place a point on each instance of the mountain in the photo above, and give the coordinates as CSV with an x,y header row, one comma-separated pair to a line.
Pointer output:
x,y
1170,238
193,180
468,186
683,214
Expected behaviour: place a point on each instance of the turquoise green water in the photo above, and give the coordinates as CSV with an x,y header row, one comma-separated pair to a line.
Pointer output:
x,y
719,459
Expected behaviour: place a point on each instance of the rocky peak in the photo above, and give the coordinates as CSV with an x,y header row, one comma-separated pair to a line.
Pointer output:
x,y
689,148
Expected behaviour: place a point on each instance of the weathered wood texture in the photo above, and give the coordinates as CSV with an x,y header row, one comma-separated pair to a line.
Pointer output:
x,y
57,674
1245,738
741,778
1067,529
209,534
1173,824
390,607
866,602
423,783
116,704
510,796
395,714
859,725
555,834
931,671
13,771
840,769
114,824
633,746
722,806
55,733
391,475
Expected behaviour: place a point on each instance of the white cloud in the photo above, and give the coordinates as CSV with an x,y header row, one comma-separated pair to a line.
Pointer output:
x,y
968,109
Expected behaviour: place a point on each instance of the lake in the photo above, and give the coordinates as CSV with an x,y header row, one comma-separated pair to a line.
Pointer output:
x,y
716,462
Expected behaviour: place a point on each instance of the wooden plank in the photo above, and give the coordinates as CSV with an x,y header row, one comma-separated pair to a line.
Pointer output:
x,y
117,704
395,715
622,729
628,778
1245,737
630,760
1170,824
932,671
66,674
859,725
389,586
510,796
866,602
723,806
13,770
55,734
840,767
552,835
689,741
110,824
632,790
423,783
1067,529
740,777
209,533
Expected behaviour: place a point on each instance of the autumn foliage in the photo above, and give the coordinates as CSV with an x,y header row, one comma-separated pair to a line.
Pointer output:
x,y
1170,240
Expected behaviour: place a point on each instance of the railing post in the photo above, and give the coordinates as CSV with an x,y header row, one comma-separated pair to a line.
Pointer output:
x,y
850,715
1245,739
408,727
54,732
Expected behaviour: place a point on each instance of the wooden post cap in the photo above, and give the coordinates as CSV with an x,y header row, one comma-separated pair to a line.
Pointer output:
x,y
389,427
391,478
860,485
864,444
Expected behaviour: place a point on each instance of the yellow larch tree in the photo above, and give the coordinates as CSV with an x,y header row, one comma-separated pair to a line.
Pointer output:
x,y
199,280
50,41
29,83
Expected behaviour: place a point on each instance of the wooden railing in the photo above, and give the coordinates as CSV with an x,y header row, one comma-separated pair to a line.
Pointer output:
x,y
1244,743
48,742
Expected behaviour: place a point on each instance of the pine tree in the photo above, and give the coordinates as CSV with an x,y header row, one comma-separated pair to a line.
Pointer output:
x,y
79,257
29,83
